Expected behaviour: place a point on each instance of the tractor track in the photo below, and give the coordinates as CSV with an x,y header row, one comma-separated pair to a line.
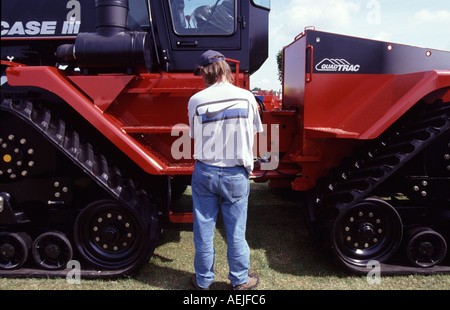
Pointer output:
x,y
135,204
349,195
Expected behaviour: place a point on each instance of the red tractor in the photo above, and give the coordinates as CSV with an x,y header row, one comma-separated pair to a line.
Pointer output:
x,y
94,141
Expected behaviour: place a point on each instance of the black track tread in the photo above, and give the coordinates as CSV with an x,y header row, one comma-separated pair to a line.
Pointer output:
x,y
385,159
95,165
358,178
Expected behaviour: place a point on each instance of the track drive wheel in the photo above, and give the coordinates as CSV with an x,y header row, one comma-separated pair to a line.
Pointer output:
x,y
111,236
52,250
369,230
425,247
14,249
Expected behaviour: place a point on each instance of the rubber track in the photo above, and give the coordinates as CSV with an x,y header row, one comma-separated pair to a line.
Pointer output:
x,y
357,179
95,165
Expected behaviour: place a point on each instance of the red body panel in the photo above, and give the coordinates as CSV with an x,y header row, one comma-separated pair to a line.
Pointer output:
x,y
339,110
334,111
138,114
363,106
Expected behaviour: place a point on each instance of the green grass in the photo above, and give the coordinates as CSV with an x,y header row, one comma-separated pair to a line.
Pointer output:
x,y
282,253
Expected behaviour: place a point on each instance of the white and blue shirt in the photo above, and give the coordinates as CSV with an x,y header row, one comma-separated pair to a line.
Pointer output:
x,y
223,121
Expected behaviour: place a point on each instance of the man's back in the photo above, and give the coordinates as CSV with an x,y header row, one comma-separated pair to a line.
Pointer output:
x,y
223,120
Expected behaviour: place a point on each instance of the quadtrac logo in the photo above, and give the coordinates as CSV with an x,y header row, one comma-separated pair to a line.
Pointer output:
x,y
336,65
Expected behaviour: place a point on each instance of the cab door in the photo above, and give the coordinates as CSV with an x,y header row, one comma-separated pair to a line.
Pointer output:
x,y
195,26
204,24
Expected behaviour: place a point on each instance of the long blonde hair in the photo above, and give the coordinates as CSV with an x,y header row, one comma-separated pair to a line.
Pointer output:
x,y
217,71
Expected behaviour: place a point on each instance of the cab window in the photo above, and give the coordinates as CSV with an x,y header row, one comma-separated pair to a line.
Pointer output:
x,y
262,3
139,16
203,17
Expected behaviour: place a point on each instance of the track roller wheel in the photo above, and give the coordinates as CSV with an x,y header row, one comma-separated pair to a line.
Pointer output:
x,y
14,249
369,230
425,247
111,236
52,250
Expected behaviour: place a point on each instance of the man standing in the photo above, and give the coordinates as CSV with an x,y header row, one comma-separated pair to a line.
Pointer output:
x,y
223,121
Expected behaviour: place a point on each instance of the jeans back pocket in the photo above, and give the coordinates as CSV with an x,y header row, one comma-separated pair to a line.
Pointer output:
x,y
237,187
202,183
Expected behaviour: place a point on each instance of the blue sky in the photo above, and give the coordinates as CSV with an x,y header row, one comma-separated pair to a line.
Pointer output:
x,y
413,22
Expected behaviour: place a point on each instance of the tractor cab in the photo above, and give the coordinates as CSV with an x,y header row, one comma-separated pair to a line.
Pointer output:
x,y
183,29
166,35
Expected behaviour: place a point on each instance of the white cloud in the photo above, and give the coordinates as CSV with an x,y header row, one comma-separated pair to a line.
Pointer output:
x,y
266,78
428,16
329,12
431,28
324,14
349,17
447,46
264,82
382,36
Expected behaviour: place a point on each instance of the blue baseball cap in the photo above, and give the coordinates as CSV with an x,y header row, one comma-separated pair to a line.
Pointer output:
x,y
208,58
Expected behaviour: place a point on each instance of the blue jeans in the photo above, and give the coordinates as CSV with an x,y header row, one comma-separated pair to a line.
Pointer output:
x,y
228,189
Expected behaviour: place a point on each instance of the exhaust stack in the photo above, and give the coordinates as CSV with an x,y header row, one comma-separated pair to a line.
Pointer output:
x,y
113,47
